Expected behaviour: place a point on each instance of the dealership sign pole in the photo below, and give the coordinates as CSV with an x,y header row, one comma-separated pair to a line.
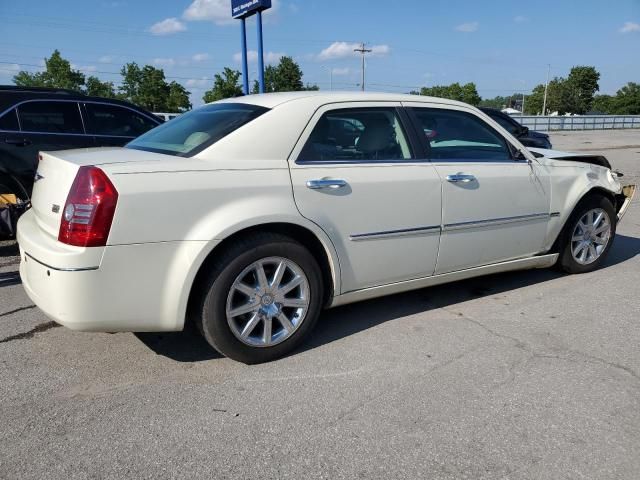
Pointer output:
x,y
243,9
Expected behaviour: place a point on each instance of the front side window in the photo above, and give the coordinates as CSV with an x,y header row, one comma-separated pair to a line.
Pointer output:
x,y
9,121
362,134
192,132
459,136
116,121
509,125
50,117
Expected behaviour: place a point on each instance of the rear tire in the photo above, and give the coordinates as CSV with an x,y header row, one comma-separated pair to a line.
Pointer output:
x,y
261,299
588,235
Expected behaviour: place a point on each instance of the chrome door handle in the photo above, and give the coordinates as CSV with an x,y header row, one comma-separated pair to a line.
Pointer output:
x,y
460,178
326,183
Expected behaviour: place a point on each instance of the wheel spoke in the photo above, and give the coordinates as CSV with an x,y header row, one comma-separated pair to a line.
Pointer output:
x,y
250,326
294,302
600,240
246,289
592,252
277,277
578,250
266,336
602,229
285,322
598,219
263,283
583,255
577,238
291,285
246,308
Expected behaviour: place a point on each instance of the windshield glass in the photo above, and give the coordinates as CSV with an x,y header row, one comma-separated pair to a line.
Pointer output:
x,y
192,132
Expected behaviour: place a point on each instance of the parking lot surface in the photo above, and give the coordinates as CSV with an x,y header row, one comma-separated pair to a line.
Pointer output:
x,y
526,375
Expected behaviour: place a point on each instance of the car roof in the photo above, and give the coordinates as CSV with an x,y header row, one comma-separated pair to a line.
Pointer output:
x,y
11,94
272,100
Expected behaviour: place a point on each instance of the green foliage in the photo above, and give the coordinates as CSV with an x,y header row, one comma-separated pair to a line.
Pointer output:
x,y
226,85
58,74
284,77
603,104
97,88
574,94
148,88
178,100
467,93
627,100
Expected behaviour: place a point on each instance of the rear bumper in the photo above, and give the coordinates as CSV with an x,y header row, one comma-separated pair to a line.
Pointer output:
x,y
628,192
132,288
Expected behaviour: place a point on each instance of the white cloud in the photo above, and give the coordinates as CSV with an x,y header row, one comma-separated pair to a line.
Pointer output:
x,y
252,57
84,68
217,11
520,19
630,27
338,50
200,57
14,67
468,27
164,62
341,71
106,59
197,83
168,26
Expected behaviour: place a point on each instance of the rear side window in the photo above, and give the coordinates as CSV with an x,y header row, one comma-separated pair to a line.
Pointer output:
x,y
511,127
192,132
460,136
358,134
116,121
50,117
9,121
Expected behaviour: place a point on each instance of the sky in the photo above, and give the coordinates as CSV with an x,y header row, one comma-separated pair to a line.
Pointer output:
x,y
502,45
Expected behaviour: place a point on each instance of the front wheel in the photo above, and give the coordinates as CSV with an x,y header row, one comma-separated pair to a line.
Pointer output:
x,y
261,299
588,235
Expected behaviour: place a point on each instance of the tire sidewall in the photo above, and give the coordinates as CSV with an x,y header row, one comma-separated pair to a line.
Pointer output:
x,y
567,262
214,325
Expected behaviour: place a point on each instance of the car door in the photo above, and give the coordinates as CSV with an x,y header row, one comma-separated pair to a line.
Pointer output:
x,y
377,201
45,125
495,205
115,125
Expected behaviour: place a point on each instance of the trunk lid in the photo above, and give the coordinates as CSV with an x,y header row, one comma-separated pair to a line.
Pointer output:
x,y
57,171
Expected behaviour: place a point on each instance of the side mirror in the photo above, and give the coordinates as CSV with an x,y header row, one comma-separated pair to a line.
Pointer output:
x,y
521,157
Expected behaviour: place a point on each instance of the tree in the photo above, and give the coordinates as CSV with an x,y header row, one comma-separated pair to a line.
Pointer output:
x,y
284,77
131,79
224,86
627,100
467,93
603,104
58,74
581,85
178,100
496,102
97,88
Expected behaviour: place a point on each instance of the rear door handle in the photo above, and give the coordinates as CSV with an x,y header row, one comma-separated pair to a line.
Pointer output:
x,y
19,142
326,183
460,178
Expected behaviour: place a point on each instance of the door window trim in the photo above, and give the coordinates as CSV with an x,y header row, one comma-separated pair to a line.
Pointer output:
x,y
77,102
109,104
405,125
426,147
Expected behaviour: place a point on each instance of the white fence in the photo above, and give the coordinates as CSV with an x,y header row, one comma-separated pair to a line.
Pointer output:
x,y
582,122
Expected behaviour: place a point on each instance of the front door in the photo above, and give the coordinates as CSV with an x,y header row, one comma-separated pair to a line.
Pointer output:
x,y
355,175
495,205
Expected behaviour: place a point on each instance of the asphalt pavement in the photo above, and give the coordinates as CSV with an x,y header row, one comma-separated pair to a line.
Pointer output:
x,y
526,375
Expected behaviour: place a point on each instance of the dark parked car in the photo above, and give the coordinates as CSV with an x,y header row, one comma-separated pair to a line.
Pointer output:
x,y
527,137
44,119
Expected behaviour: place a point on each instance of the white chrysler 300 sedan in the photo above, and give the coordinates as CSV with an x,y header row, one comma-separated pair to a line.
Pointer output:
x,y
249,216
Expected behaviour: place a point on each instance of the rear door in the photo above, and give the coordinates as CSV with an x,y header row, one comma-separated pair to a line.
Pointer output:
x,y
115,125
495,206
358,176
45,125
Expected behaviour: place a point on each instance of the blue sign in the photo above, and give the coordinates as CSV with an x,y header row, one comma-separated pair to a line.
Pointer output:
x,y
246,8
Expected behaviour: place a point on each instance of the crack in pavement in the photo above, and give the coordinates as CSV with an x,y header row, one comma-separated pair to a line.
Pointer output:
x,y
43,327
533,354
11,312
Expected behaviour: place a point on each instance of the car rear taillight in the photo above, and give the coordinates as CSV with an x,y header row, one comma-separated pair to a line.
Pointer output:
x,y
89,211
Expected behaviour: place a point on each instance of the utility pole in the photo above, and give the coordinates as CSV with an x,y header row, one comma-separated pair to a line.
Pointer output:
x,y
546,88
362,51
330,69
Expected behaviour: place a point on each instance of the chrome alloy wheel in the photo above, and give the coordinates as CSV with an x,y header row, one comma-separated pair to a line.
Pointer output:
x,y
591,236
267,302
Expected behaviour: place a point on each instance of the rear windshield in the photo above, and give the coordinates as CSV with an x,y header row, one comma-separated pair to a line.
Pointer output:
x,y
192,132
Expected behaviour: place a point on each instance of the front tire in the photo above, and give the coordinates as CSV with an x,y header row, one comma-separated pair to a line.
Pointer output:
x,y
261,299
588,235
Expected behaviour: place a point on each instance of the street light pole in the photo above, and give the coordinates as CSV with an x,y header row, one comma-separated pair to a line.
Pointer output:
x,y
546,88
362,51
330,76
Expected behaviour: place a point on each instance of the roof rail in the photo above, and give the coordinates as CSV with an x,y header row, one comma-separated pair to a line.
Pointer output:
x,y
61,91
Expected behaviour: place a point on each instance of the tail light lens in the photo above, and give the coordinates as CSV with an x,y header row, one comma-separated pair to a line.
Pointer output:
x,y
88,213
